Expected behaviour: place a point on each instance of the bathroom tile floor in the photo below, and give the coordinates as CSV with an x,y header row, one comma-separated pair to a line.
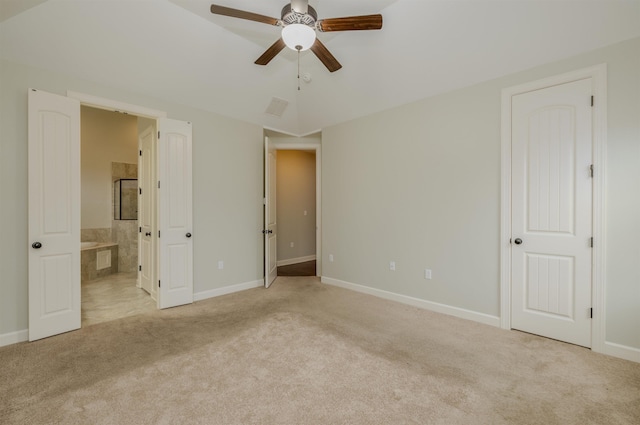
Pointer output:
x,y
113,297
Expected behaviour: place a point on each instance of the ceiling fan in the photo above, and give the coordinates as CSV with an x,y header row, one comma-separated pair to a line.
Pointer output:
x,y
299,23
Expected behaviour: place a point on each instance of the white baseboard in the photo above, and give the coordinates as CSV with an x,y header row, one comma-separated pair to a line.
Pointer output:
x,y
211,293
14,337
417,302
291,261
621,351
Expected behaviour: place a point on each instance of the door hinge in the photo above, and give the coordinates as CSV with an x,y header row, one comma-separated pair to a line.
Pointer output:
x,y
158,184
591,100
158,284
591,243
139,229
591,313
591,170
158,134
140,268
140,152
140,189
158,233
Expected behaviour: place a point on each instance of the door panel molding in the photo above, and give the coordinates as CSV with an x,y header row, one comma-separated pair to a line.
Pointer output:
x,y
598,75
175,213
54,214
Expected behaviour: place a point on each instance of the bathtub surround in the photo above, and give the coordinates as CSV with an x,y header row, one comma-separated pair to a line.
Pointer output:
x,y
89,261
88,256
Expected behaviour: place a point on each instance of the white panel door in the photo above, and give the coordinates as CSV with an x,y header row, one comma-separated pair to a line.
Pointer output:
x,y
147,211
552,212
175,220
54,214
271,228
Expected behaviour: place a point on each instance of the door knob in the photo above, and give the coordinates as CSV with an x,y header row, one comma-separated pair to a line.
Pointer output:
x,y
518,241
147,234
188,235
36,245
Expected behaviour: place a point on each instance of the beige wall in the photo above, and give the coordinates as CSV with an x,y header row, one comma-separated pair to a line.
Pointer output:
x,y
105,137
227,187
420,185
295,194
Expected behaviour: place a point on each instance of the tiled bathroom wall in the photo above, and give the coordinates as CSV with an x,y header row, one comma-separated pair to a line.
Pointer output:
x,y
96,235
125,232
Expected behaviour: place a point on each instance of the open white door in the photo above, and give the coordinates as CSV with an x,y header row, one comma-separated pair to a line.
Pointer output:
x,y
54,214
175,284
147,210
271,228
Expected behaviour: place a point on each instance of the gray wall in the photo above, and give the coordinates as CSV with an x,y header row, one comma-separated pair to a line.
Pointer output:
x,y
295,194
420,185
227,168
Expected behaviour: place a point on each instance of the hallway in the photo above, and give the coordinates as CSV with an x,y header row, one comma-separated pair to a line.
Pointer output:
x,y
308,268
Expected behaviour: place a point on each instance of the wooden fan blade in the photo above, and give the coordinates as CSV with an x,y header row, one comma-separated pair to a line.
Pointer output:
x,y
235,13
325,56
271,52
351,23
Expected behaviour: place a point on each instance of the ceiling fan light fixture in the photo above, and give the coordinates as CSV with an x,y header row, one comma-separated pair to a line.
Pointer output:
x,y
298,37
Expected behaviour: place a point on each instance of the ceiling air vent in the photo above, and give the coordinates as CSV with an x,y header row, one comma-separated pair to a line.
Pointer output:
x,y
277,107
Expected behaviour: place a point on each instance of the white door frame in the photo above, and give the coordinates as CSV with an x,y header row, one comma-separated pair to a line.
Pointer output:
x,y
126,108
598,75
317,147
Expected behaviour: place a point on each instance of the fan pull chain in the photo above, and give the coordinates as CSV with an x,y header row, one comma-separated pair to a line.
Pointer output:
x,y
298,69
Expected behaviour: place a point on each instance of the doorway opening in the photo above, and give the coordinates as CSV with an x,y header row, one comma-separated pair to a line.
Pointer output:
x,y
512,249
55,210
110,166
296,212
292,206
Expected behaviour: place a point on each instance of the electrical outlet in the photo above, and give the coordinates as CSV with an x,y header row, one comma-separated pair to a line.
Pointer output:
x,y
427,273
392,266
331,258
220,265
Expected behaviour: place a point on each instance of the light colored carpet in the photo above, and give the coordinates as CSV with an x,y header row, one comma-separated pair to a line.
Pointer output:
x,y
305,353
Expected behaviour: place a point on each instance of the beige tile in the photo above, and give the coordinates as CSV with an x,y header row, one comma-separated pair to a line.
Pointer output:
x,y
113,297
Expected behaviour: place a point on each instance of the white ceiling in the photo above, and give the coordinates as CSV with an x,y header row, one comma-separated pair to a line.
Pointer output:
x,y
177,50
